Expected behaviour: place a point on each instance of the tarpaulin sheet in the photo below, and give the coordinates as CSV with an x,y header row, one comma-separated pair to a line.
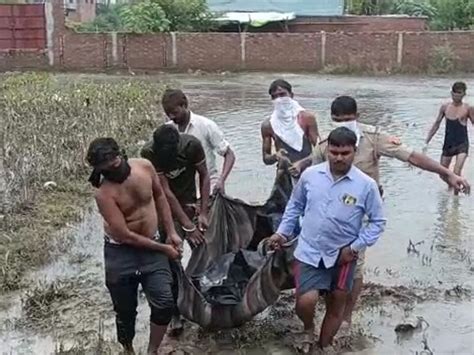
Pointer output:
x,y
227,280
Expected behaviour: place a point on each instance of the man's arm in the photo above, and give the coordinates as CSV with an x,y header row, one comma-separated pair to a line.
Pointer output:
x,y
316,157
176,208
372,231
204,188
436,124
229,160
268,157
312,127
162,205
115,219
294,209
220,144
387,146
471,114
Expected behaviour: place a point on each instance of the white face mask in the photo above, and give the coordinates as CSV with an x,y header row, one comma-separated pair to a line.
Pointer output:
x,y
352,125
284,107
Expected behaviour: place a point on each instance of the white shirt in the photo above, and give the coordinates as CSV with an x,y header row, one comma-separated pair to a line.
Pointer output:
x,y
212,140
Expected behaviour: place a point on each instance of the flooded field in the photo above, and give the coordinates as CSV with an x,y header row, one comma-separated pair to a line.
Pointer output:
x,y
68,310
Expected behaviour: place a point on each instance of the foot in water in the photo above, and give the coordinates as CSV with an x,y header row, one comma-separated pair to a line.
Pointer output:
x,y
176,326
345,325
307,343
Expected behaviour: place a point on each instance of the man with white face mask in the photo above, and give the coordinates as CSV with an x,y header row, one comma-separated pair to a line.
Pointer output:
x,y
292,130
371,145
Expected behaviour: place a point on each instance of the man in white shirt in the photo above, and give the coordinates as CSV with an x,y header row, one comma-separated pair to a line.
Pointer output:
x,y
175,105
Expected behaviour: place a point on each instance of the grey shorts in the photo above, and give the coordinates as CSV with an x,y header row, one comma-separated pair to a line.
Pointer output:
x,y
309,278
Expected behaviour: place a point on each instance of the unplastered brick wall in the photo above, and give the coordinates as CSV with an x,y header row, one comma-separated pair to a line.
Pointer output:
x,y
364,51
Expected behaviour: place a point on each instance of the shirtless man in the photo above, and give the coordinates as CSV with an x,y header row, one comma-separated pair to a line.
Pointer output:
x,y
456,141
130,199
292,130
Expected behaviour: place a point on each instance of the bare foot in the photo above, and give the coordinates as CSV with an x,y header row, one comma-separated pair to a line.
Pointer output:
x,y
307,343
176,326
345,325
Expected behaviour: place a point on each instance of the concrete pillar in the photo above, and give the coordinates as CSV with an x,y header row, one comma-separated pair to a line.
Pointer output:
x,y
174,50
323,49
113,37
243,55
48,15
400,49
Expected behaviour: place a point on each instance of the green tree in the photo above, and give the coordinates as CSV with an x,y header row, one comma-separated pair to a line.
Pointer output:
x,y
187,15
442,14
144,16
453,15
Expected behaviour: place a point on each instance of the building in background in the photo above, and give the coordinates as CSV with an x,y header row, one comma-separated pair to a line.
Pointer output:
x,y
80,10
304,16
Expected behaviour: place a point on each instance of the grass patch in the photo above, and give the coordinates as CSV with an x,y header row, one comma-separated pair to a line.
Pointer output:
x,y
442,60
38,302
47,125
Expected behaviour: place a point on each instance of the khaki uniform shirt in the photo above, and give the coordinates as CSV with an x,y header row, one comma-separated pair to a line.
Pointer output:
x,y
372,145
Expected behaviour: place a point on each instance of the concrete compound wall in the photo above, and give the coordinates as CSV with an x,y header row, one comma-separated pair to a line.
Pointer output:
x,y
365,51
386,51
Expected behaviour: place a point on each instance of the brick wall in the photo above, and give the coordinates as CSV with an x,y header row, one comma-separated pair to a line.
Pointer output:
x,y
367,51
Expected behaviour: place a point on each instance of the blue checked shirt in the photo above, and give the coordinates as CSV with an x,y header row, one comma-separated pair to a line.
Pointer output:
x,y
333,214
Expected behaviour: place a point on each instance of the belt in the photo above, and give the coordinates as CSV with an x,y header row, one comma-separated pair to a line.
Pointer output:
x,y
110,240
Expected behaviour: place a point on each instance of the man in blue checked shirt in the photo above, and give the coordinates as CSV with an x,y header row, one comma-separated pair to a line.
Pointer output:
x,y
334,197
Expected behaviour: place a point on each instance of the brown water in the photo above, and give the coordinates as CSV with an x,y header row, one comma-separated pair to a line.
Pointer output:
x,y
434,283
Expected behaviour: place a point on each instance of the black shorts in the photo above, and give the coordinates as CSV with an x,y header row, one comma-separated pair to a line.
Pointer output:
x,y
451,151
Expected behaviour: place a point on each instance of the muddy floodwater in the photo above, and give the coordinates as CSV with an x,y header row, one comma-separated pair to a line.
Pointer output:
x,y
434,281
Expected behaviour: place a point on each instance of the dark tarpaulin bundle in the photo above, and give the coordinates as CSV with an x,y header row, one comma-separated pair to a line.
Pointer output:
x,y
228,281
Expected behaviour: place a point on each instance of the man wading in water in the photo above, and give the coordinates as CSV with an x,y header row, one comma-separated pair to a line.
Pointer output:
x,y
334,197
130,199
371,145
292,129
175,105
177,159
456,140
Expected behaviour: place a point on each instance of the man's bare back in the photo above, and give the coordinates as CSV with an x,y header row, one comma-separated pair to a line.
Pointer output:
x,y
134,198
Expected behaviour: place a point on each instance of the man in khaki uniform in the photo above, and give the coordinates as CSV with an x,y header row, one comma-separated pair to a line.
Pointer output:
x,y
371,145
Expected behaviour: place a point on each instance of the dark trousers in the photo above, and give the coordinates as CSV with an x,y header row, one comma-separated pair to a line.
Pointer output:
x,y
125,268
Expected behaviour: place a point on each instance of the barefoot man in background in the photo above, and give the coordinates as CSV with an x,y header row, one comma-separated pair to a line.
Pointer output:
x,y
456,140
335,197
292,130
130,199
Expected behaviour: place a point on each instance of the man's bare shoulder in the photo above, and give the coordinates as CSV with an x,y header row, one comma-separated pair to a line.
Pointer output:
x,y
143,164
307,115
105,193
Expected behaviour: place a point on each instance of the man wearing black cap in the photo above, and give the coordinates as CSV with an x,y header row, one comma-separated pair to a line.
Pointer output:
x,y
130,199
